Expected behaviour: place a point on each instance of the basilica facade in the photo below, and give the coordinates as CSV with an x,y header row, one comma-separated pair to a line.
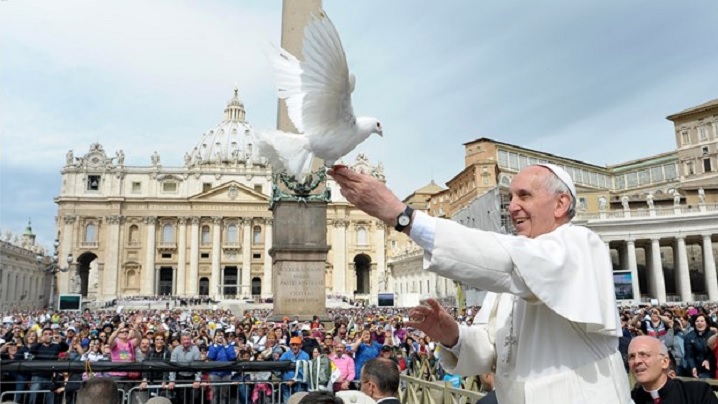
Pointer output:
x,y
204,228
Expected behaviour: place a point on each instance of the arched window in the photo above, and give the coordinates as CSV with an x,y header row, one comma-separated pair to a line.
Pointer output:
x,y
257,235
91,233
232,234
361,236
134,233
205,234
168,234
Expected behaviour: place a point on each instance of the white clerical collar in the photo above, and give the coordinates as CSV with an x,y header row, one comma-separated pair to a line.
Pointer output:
x,y
654,393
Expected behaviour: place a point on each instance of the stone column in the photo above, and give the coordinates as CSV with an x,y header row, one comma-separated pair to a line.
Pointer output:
x,y
339,247
148,274
683,278
216,245
181,278
112,260
245,288
709,268
657,271
633,267
380,243
66,244
267,278
192,289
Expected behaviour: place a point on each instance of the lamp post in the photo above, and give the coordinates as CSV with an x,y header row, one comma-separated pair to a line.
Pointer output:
x,y
53,269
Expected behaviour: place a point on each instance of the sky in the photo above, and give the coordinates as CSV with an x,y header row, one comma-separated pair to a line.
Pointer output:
x,y
589,80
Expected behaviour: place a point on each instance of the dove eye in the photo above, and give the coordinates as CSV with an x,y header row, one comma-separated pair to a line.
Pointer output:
x,y
378,125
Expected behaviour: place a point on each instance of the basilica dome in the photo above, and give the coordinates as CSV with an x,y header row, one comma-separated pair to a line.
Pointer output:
x,y
231,142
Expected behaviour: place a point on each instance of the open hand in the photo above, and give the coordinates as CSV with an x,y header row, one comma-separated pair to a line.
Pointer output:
x,y
431,318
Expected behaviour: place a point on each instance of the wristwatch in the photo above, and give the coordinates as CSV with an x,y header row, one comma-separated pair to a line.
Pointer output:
x,y
404,219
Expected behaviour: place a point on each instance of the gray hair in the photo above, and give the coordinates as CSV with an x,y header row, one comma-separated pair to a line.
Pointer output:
x,y
555,186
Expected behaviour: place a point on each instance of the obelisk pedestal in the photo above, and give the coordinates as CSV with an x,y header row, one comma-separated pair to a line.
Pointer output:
x,y
299,255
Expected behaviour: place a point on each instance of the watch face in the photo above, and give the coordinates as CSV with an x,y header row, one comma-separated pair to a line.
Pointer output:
x,y
404,220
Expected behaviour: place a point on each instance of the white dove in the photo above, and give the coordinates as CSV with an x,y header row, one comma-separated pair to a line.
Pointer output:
x,y
318,97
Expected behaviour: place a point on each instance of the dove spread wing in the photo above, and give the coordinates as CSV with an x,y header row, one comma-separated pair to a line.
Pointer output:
x,y
318,90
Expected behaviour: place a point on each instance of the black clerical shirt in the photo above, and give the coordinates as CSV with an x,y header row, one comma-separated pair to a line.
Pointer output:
x,y
678,392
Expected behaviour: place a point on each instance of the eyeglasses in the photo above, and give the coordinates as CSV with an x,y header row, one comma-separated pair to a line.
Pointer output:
x,y
642,355
121,331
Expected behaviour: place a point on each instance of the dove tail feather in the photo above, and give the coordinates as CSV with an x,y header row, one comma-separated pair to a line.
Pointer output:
x,y
286,152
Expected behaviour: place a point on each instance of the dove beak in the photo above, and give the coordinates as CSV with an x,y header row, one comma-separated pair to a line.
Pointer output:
x,y
380,132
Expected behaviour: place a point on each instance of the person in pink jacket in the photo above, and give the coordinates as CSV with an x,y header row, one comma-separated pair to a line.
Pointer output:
x,y
345,364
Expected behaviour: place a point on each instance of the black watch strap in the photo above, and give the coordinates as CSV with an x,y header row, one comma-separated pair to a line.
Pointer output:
x,y
404,219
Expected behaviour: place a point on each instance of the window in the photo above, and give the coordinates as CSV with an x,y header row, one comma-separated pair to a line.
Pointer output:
x,y
91,233
685,139
257,235
257,256
168,235
503,159
703,133
166,256
93,182
671,171
361,236
258,188
513,161
136,187
632,179
657,174
705,150
689,168
169,186
707,165
232,234
644,177
205,235
204,256
206,186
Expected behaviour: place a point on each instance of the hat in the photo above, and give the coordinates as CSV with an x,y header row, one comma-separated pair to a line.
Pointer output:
x,y
55,326
563,176
386,348
306,327
71,329
295,340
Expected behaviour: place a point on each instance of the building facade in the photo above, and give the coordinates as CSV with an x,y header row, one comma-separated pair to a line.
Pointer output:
x,y
204,228
24,281
658,215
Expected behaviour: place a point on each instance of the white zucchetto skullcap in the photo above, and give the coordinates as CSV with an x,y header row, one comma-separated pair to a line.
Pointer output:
x,y
563,176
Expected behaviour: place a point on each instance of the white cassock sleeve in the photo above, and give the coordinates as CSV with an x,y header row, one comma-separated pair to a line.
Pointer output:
x,y
478,353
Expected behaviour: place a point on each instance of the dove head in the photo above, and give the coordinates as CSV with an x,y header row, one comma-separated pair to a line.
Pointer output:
x,y
367,126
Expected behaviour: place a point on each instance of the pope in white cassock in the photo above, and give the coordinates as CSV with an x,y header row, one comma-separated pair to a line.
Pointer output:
x,y
550,328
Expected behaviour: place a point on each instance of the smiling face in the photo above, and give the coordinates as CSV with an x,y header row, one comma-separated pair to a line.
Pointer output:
x,y
648,361
701,323
536,209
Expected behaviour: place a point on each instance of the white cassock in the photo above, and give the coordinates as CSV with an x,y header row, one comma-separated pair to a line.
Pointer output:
x,y
556,292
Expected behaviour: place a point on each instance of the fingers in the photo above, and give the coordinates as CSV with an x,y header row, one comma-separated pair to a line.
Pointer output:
x,y
434,304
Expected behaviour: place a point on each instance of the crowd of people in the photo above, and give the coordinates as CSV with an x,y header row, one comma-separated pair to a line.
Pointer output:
x,y
334,354
333,351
